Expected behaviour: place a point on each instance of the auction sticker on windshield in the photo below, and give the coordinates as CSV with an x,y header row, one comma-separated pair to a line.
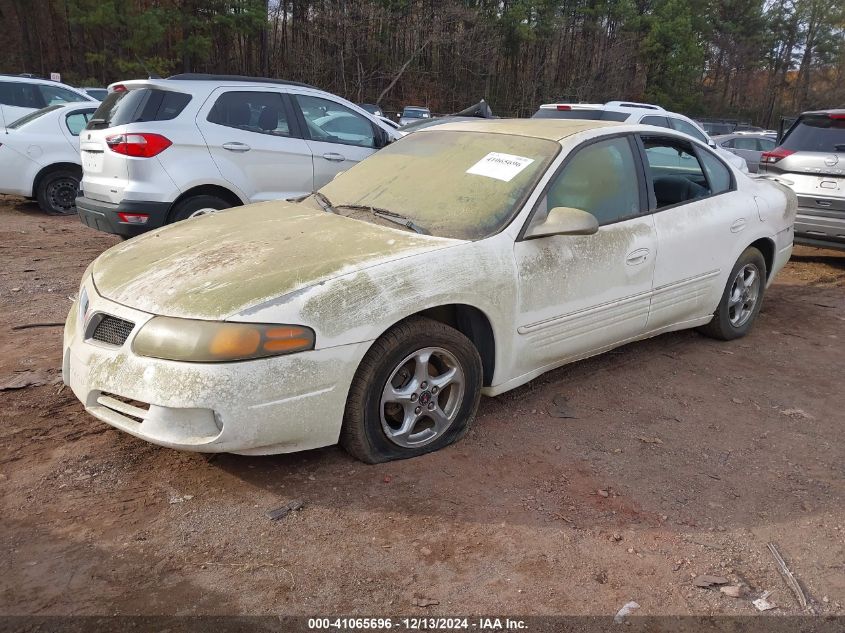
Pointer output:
x,y
500,166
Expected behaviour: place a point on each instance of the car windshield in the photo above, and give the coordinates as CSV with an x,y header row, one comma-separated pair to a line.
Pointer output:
x,y
29,118
415,113
462,185
816,133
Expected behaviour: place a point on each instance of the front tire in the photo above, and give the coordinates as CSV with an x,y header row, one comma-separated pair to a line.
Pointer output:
x,y
197,206
416,391
742,299
56,192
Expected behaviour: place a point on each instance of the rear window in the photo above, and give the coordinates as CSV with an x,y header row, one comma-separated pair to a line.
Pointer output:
x,y
138,106
32,116
589,115
816,134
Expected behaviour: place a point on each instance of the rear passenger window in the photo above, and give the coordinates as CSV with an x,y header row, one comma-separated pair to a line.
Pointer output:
x,y
718,176
54,95
77,121
676,174
261,112
601,179
746,143
660,121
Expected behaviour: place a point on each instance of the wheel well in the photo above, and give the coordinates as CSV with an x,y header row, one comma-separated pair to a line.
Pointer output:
x,y
208,190
474,324
51,168
767,248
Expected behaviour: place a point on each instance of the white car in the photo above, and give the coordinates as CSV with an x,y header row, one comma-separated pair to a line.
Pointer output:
x,y
643,113
39,156
162,150
462,260
21,95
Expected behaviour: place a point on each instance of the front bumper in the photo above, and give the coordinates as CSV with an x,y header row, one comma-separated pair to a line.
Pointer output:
x,y
273,405
103,216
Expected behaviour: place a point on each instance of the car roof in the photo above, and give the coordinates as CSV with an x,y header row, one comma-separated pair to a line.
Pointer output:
x,y
549,129
38,80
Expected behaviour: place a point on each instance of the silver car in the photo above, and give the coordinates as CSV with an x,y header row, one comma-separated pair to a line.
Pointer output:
x,y
411,114
748,145
811,160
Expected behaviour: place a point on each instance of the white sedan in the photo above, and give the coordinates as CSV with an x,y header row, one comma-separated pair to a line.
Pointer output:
x,y
462,260
39,156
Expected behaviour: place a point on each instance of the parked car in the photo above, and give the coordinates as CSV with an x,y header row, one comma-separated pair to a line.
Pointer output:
x,y
463,259
21,95
747,145
39,156
413,113
98,93
631,112
811,160
477,111
162,150
372,109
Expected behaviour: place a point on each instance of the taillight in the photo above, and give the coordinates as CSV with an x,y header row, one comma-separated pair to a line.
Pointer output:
x,y
564,108
119,88
138,145
775,155
837,116
133,218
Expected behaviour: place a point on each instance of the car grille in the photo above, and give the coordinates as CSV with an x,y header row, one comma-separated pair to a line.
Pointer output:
x,y
112,331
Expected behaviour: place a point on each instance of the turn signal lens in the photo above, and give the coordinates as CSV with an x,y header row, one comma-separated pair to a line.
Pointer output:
x,y
196,341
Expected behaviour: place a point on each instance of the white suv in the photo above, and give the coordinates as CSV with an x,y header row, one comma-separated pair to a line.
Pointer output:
x,y
20,96
632,112
162,150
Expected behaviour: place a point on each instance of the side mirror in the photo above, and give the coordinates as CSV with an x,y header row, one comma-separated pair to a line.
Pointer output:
x,y
398,115
711,143
564,221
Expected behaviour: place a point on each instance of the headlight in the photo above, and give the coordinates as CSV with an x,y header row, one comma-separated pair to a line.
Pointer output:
x,y
217,341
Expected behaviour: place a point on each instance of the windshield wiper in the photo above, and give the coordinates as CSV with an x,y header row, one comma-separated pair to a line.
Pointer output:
x,y
324,202
390,216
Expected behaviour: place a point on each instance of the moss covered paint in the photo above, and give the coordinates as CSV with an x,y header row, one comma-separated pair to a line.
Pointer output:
x,y
217,265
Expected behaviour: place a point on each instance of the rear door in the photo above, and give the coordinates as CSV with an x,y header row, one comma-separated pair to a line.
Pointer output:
x,y
338,136
700,217
256,143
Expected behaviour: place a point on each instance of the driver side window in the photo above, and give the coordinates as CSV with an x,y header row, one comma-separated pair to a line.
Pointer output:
x,y
601,179
332,122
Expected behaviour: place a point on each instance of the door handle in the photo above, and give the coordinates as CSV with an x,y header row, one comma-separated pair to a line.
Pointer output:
x,y
738,225
334,157
637,257
234,146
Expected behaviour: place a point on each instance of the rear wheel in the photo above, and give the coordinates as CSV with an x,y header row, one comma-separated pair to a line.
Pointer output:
x,y
197,206
742,298
56,191
416,391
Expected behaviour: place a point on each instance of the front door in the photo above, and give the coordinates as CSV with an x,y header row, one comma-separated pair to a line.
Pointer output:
x,y
338,136
255,142
581,294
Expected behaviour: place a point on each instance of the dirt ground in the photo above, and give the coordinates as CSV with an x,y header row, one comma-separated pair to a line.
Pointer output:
x,y
687,456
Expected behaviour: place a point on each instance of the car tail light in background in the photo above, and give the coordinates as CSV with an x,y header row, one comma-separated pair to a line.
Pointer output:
x,y
133,218
564,108
838,117
119,88
138,145
775,155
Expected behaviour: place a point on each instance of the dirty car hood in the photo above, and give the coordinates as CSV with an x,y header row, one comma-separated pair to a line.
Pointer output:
x,y
218,265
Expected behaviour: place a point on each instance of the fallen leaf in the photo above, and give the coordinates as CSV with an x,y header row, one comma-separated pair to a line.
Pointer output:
x,y
650,440
706,580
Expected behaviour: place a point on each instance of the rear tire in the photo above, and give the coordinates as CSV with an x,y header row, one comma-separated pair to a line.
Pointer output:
x,y
742,299
417,390
56,191
196,206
